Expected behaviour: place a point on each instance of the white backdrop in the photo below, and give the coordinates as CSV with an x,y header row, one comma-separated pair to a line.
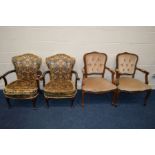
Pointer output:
x,y
75,41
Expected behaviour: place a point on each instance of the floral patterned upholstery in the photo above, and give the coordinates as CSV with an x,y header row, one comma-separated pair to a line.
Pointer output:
x,y
60,66
60,86
25,86
26,66
21,89
60,89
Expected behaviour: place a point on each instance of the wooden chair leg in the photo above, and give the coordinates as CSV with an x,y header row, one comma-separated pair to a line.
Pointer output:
x,y
47,103
8,102
72,102
34,102
115,97
148,93
83,99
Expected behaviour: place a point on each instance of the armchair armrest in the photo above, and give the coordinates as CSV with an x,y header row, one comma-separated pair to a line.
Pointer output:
x,y
146,74
112,74
4,76
39,74
43,76
77,77
117,76
83,72
142,70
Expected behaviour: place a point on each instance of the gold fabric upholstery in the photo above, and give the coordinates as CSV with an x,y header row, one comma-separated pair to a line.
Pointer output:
x,y
97,84
59,88
21,89
127,63
131,85
26,66
60,85
60,66
95,62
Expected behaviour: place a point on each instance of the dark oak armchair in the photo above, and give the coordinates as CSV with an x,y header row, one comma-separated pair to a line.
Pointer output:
x,y
93,75
27,84
126,67
61,85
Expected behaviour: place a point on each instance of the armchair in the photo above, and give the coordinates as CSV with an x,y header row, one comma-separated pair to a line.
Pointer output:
x,y
61,84
93,75
126,67
27,84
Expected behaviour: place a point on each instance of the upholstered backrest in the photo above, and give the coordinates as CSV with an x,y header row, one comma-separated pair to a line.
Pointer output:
x,y
26,66
60,66
126,63
95,62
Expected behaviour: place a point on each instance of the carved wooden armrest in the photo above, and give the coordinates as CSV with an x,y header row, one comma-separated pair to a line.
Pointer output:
x,y
39,75
83,72
4,76
77,77
117,76
43,77
112,74
146,74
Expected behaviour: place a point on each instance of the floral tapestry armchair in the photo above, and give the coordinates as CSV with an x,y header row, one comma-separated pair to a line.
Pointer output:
x,y
27,84
61,84
126,67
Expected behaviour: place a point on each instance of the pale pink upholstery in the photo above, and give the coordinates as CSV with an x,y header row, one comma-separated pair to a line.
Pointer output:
x,y
95,62
127,63
126,67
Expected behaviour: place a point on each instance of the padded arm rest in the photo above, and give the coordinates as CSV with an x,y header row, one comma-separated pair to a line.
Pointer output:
x,y
4,76
77,77
43,76
112,74
146,74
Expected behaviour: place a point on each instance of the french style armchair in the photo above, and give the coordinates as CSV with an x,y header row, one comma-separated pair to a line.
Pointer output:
x,y
27,84
126,67
93,75
61,85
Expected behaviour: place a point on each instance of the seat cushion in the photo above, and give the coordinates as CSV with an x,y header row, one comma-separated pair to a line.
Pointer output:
x,y
60,89
97,85
131,84
21,89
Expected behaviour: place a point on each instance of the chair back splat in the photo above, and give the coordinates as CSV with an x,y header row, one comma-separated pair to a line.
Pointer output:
x,y
60,66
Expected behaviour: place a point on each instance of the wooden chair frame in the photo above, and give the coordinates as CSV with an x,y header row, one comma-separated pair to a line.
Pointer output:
x,y
118,74
33,99
85,75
